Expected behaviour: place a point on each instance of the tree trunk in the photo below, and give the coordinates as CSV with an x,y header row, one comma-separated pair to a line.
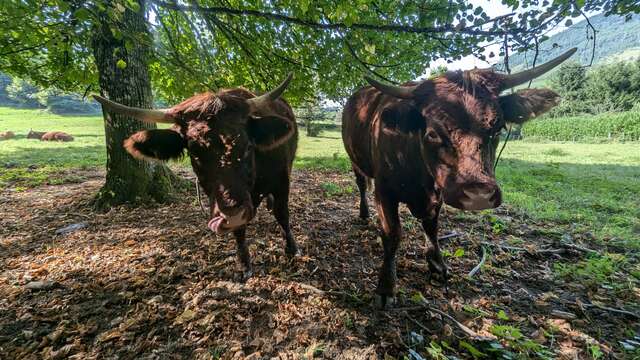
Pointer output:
x,y
124,78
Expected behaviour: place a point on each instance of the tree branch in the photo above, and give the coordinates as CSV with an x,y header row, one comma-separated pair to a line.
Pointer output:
x,y
396,28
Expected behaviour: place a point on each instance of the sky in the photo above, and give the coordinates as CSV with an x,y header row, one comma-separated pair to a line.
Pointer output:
x,y
493,8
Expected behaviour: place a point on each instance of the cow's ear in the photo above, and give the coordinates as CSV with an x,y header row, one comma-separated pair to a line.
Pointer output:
x,y
157,144
402,116
527,104
271,131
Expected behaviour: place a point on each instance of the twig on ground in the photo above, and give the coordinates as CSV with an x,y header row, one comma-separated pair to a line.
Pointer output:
x,y
315,290
580,248
480,264
423,305
613,310
542,251
461,326
418,323
581,304
448,236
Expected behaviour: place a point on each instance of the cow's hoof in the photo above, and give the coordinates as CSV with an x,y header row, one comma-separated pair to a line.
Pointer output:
x,y
243,276
292,251
383,302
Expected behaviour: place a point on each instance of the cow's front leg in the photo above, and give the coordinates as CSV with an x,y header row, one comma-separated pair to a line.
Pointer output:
x,y
434,255
391,233
242,252
281,212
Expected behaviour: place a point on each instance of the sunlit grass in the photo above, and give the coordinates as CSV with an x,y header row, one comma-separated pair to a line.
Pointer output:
x,y
585,187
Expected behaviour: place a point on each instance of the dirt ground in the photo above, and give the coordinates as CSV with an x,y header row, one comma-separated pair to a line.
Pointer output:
x,y
153,282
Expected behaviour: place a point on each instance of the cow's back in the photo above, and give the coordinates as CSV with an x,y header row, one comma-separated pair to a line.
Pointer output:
x,y
56,136
360,122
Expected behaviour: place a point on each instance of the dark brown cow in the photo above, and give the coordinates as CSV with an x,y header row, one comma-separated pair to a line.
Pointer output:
x,y
432,142
35,134
241,148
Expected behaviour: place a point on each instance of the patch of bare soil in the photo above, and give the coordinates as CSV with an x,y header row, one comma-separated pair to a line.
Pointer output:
x,y
153,282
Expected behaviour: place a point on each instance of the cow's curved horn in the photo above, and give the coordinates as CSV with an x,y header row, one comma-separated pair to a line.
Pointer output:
x,y
512,80
146,115
260,102
403,92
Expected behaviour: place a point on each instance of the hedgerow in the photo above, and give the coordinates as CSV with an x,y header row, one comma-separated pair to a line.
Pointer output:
x,y
623,126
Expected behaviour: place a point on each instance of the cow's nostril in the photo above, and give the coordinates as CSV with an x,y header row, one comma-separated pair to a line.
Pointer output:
x,y
479,193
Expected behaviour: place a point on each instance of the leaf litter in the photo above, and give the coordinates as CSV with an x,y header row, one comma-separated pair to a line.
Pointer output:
x,y
153,282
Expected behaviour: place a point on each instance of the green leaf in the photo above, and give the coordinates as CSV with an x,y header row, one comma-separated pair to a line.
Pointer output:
x,y
418,298
121,64
82,14
472,350
370,48
458,253
502,315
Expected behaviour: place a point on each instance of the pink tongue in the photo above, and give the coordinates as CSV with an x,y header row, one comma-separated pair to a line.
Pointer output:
x,y
215,223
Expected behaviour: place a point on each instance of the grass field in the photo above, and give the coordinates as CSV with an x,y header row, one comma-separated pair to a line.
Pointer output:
x,y
586,187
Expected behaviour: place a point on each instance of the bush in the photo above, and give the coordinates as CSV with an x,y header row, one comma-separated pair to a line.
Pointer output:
x,y
624,126
612,87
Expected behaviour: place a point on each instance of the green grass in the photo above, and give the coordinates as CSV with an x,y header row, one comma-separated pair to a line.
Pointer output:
x,y
622,126
583,187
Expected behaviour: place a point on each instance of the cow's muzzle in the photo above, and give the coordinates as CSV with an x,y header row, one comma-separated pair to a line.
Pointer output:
x,y
223,222
474,197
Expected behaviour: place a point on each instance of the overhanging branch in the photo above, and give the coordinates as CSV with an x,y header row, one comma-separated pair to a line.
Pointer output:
x,y
396,28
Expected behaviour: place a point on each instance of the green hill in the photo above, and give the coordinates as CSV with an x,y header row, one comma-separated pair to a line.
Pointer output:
x,y
616,39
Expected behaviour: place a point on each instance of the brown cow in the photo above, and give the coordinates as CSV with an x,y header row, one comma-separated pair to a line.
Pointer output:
x,y
431,142
6,135
49,136
241,148
56,136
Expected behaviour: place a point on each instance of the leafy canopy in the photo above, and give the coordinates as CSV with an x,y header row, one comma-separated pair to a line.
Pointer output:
x,y
207,44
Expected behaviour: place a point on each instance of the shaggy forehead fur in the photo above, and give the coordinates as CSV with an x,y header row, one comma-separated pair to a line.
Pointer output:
x,y
207,106
469,99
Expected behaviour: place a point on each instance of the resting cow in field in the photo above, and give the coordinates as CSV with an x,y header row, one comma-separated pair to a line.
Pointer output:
x,y
35,134
49,136
241,148
431,142
56,136
6,135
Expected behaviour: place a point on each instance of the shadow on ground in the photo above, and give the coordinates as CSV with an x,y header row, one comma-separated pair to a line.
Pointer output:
x,y
154,282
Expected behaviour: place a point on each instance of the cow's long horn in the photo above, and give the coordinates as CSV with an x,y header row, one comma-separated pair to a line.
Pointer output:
x,y
146,115
403,92
512,80
260,102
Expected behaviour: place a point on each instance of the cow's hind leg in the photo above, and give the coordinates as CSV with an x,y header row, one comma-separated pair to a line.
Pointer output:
x,y
281,213
361,181
391,233
242,252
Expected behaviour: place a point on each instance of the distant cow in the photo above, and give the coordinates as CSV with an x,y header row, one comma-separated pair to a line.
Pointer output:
x,y
49,136
6,135
431,142
241,148
35,134
56,136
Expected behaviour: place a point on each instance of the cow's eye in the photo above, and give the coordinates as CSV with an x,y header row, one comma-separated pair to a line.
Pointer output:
x,y
432,137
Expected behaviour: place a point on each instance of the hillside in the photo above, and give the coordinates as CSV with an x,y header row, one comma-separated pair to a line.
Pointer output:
x,y
616,39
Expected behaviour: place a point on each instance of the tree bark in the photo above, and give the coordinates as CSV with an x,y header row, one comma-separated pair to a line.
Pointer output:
x,y
124,78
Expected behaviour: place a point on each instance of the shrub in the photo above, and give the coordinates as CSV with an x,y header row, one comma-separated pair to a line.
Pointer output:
x,y
624,126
